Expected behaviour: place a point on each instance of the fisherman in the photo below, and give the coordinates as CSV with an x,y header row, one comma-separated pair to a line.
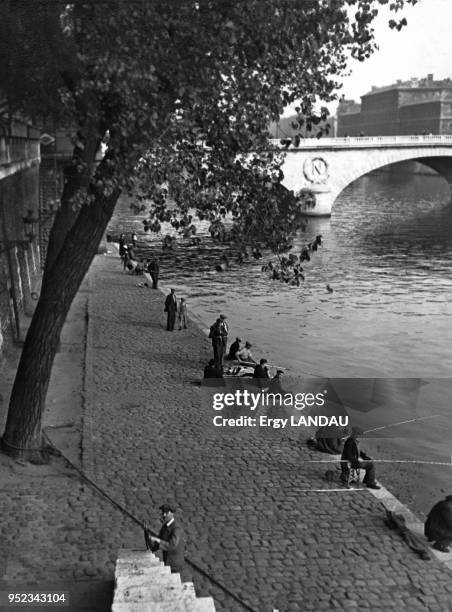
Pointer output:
x,y
351,455
438,526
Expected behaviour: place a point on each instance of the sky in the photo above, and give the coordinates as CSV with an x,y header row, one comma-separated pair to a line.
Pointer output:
x,y
422,47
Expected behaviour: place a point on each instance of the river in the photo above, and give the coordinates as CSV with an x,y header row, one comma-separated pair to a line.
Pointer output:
x,y
387,254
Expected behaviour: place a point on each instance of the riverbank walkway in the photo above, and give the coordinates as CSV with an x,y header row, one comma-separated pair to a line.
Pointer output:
x,y
123,407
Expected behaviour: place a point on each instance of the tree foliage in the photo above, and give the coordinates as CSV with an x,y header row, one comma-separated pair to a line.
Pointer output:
x,y
184,91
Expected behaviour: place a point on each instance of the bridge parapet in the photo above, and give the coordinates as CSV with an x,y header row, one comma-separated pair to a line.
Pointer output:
x,y
364,142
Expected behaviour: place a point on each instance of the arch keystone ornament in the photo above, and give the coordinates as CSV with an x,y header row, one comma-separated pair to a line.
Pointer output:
x,y
316,170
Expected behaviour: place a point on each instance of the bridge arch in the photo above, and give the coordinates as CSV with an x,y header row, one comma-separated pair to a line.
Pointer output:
x,y
324,168
441,163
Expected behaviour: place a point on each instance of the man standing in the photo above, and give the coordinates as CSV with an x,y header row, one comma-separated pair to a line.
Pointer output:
x,y
214,335
171,310
219,336
224,331
170,540
352,455
154,269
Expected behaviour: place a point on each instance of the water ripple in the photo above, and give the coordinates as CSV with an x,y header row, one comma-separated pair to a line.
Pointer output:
x,y
388,256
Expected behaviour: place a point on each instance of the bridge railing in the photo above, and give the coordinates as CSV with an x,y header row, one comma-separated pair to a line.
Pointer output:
x,y
367,141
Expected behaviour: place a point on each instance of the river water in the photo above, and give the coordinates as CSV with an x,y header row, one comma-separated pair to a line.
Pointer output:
x,y
387,254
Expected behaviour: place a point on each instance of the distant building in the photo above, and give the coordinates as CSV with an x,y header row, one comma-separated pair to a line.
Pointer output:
x,y
417,106
288,127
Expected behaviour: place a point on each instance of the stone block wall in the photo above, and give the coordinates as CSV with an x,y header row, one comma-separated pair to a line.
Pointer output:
x,y
19,259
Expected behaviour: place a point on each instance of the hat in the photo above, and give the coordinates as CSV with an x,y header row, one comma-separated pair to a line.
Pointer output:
x,y
166,508
238,339
222,316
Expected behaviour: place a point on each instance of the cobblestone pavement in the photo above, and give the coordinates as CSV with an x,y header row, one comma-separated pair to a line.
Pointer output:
x,y
56,533
246,497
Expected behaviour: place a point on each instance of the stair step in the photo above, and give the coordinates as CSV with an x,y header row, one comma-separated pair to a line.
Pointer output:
x,y
147,580
157,594
203,604
133,570
139,592
158,575
144,584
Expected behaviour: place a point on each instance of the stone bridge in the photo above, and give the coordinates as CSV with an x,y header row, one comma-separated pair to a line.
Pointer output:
x,y
318,170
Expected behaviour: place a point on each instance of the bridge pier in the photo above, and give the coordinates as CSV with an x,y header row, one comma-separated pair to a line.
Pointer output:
x,y
316,201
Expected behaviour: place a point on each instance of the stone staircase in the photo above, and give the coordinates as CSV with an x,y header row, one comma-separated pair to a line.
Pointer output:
x,y
144,584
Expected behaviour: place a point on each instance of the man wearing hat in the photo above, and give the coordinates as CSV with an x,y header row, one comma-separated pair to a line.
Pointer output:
x,y
351,455
170,539
219,335
171,310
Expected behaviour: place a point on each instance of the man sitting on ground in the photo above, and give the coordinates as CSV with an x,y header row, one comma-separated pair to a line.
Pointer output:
x,y
244,356
351,456
234,348
438,526
213,376
210,371
261,374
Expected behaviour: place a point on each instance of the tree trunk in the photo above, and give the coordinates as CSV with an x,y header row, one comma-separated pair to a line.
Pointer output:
x,y
23,436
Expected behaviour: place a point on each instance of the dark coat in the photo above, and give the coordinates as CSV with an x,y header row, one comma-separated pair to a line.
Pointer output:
x,y
235,346
210,371
174,553
352,453
153,267
328,440
260,371
171,303
438,525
